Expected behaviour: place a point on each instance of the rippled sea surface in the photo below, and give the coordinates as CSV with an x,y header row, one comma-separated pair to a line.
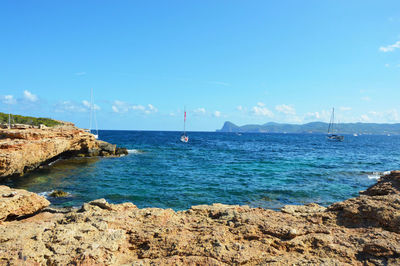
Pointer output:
x,y
260,170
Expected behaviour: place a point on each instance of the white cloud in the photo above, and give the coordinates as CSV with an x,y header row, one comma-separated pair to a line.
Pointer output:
x,y
138,107
313,115
123,107
390,48
68,106
30,96
344,108
387,65
151,109
9,99
388,116
261,110
365,118
261,104
200,111
86,103
115,109
217,114
286,109
239,108
366,99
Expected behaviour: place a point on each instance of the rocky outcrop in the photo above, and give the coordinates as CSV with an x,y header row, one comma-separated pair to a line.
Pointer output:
x,y
359,231
23,150
15,203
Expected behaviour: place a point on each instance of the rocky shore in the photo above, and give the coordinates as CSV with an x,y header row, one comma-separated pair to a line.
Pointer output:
x,y
25,149
360,231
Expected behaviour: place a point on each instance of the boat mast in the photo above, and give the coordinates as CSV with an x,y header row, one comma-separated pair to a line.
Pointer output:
x,y
330,127
92,113
184,122
91,109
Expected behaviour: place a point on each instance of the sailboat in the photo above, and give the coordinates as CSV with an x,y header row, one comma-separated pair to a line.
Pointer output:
x,y
331,132
184,138
93,115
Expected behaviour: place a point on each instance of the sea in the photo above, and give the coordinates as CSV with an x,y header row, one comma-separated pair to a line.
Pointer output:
x,y
255,169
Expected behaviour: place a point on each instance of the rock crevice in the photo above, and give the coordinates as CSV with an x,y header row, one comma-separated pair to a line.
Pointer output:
x,y
359,231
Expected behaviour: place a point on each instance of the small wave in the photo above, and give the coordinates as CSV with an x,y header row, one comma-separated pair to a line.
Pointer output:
x,y
377,175
135,151
53,162
47,194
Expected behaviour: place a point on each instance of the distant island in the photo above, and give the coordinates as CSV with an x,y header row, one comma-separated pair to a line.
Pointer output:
x,y
314,128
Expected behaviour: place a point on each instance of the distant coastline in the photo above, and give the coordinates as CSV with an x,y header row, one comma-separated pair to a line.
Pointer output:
x,y
314,128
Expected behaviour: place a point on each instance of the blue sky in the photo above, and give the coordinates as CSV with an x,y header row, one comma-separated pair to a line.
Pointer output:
x,y
242,61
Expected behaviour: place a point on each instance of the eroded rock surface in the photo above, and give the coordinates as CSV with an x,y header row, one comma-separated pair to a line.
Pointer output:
x,y
23,150
15,203
358,231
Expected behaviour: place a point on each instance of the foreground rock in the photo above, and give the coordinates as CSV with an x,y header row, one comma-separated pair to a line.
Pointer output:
x,y
15,203
23,150
359,231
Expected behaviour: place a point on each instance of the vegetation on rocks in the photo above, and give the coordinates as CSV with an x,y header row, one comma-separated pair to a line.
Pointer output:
x,y
28,120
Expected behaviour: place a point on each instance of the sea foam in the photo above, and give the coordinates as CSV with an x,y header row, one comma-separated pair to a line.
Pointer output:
x,y
135,151
377,175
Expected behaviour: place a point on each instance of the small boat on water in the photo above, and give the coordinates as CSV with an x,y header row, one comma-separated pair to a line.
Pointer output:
x,y
332,135
93,116
184,138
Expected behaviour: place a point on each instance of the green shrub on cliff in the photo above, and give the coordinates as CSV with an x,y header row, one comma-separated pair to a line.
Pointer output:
x,y
28,120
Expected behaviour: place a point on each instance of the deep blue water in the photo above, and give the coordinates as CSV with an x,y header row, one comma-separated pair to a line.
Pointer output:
x,y
261,170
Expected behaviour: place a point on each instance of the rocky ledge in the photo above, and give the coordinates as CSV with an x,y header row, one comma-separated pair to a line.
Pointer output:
x,y
25,149
360,231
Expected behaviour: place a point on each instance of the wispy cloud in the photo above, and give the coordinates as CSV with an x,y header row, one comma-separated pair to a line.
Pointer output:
x,y
69,106
30,96
123,107
217,113
8,99
390,48
366,99
344,108
199,111
80,73
391,115
87,105
365,118
285,109
261,110
312,115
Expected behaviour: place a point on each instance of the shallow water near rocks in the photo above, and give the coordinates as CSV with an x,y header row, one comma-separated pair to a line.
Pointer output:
x,y
260,170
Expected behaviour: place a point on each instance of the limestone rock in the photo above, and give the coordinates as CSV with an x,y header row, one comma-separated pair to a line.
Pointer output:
x,y
23,150
358,231
15,203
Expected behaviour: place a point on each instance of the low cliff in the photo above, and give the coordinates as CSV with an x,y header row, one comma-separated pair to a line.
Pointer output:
x,y
23,150
360,231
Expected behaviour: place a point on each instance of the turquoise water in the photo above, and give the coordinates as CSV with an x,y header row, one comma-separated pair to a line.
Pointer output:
x,y
260,170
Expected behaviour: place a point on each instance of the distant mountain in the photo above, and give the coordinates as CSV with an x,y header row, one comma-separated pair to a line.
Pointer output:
x,y
314,127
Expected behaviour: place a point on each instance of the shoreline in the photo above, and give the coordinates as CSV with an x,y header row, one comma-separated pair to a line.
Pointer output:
x,y
359,231
26,149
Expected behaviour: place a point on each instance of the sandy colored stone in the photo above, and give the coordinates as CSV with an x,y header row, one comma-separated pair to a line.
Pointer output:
x,y
18,202
358,231
23,150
